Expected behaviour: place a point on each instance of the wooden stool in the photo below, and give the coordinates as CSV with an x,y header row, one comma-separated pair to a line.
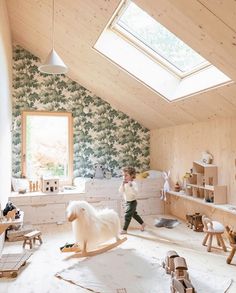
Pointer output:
x,y
213,228
232,241
32,236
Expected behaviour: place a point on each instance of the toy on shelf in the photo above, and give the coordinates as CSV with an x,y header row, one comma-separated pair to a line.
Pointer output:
x,y
92,228
232,240
166,186
50,185
34,185
177,187
207,158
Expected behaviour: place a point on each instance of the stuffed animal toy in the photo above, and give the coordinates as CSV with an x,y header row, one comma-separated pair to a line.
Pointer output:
x,y
207,158
166,186
10,207
98,171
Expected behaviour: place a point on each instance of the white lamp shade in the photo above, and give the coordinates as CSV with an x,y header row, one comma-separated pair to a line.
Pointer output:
x,y
53,64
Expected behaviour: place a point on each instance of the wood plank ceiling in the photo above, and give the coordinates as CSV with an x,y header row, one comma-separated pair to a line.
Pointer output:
x,y
208,26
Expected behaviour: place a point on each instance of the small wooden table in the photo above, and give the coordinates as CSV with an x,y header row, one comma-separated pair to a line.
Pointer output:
x,y
32,237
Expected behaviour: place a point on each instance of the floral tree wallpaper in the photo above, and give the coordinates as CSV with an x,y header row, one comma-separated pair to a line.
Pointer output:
x,y
101,134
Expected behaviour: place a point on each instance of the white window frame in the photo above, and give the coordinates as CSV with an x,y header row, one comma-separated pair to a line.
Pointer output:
x,y
154,74
145,49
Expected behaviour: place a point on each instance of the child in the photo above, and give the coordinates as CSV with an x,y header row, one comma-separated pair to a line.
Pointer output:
x,y
130,190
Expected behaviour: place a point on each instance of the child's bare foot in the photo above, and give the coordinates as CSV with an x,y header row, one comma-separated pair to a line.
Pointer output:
x,y
143,226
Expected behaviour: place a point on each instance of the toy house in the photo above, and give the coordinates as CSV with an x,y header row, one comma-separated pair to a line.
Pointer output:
x,y
50,185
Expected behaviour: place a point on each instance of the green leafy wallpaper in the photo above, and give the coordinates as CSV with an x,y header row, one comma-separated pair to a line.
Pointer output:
x,y
101,133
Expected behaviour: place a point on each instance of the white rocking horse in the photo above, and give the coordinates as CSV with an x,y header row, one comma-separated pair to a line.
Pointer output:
x,y
92,228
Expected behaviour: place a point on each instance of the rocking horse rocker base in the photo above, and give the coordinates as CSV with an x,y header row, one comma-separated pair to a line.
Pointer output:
x,y
84,253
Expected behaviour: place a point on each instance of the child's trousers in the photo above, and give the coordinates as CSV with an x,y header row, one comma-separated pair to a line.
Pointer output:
x,y
130,212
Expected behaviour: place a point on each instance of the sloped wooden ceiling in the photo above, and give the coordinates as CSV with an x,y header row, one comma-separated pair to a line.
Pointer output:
x,y
208,26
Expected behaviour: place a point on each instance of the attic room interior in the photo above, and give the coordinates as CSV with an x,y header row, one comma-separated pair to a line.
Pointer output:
x,y
118,146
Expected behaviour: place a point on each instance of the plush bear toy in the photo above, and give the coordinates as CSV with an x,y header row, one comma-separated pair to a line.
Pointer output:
x,y
99,173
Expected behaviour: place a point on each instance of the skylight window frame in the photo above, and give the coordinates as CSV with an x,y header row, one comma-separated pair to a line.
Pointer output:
x,y
147,50
129,57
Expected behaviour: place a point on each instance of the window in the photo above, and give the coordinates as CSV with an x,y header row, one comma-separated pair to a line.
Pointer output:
x,y
155,39
145,49
47,145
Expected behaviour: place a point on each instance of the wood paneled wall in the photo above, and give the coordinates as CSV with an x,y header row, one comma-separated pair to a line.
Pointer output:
x,y
175,148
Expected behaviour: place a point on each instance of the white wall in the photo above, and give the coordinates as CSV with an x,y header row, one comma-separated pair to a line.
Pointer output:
x,y
5,107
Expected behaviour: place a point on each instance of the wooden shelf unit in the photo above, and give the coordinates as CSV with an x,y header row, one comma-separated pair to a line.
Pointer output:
x,y
203,183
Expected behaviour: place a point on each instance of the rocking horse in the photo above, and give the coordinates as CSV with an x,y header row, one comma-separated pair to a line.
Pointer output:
x,y
92,228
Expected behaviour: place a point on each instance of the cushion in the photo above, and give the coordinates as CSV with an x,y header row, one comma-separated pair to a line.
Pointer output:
x,y
19,183
154,174
142,175
217,227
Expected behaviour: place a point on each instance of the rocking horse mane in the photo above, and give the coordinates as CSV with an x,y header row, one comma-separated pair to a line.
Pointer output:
x,y
92,226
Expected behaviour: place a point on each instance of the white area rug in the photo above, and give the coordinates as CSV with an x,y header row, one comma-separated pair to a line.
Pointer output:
x,y
126,268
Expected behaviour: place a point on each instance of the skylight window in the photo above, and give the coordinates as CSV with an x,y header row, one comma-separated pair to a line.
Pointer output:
x,y
136,22
154,56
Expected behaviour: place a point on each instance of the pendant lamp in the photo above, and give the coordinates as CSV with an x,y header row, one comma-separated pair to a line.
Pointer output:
x,y
53,63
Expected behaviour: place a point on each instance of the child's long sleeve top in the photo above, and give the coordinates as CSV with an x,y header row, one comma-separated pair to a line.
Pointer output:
x,y
129,190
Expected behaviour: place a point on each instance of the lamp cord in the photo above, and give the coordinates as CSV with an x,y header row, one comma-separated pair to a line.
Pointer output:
x,y
53,16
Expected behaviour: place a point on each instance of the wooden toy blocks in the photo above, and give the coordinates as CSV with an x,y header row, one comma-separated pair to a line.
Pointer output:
x,y
181,286
181,269
177,267
168,264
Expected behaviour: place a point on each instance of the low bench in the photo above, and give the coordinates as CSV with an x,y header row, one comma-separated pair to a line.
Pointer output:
x,y
32,237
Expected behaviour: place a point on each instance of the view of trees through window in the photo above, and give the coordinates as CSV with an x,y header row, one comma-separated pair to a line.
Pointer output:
x,y
154,35
46,145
